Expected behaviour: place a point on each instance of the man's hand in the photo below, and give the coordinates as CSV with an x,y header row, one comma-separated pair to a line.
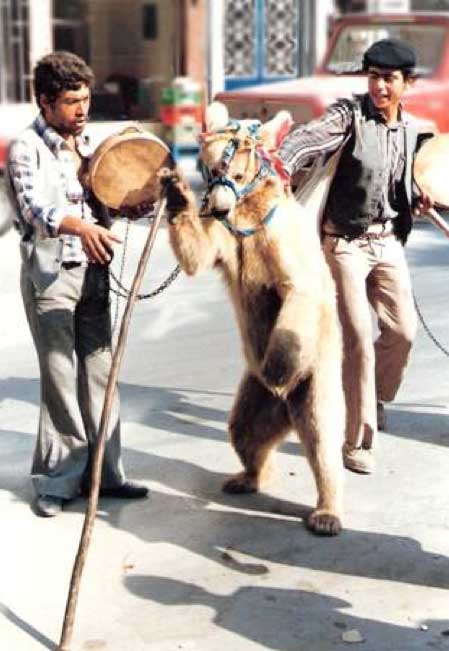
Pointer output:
x,y
423,204
96,241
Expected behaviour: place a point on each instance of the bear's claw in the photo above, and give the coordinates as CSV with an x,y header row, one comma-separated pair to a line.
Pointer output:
x,y
167,175
175,189
324,523
239,484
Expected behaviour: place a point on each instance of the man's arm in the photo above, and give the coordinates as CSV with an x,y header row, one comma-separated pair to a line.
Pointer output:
x,y
27,182
319,137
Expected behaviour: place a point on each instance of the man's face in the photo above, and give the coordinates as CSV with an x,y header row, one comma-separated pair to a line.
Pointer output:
x,y
386,87
68,113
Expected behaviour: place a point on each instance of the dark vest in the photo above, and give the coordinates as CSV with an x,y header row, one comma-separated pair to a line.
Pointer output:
x,y
361,175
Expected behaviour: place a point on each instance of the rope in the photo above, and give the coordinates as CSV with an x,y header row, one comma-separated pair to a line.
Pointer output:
x,y
430,334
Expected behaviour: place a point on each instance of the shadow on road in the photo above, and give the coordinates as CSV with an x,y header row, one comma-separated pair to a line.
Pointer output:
x,y
261,527
247,535
27,628
419,422
176,410
288,620
185,411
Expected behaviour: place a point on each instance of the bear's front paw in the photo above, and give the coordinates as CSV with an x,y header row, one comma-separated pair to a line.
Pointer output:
x,y
281,365
324,523
176,190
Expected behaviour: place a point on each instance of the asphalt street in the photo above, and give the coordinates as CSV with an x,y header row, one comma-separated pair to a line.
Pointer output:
x,y
193,569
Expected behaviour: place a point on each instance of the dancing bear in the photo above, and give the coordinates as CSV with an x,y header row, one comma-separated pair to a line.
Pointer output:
x,y
268,251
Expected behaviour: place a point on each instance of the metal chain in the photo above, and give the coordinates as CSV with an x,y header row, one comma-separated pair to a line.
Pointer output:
x,y
122,269
427,329
140,297
125,292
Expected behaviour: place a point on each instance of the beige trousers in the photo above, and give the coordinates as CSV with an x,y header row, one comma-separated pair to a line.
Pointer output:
x,y
71,329
371,272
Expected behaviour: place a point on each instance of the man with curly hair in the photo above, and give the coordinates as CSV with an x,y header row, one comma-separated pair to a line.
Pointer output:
x,y
65,248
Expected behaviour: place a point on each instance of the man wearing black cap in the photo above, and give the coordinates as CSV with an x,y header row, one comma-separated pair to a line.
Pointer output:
x,y
366,221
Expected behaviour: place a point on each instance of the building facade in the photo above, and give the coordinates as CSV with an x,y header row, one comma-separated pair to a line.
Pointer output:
x,y
133,45
272,40
138,46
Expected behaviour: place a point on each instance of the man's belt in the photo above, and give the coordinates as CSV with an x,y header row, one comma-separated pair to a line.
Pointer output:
x,y
375,231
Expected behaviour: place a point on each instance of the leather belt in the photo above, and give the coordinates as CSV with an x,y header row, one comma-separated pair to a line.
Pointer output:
x,y
71,265
373,232
374,236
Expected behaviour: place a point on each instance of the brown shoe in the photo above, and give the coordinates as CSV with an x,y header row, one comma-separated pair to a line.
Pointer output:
x,y
381,417
359,460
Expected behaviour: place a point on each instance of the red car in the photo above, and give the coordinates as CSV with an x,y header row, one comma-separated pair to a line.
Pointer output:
x,y
307,97
3,149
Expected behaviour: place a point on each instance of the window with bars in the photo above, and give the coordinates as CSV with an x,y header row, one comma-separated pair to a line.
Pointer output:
x,y
262,41
70,31
15,72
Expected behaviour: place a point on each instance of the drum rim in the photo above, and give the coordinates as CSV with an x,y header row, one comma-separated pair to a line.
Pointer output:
x,y
98,153
109,144
421,173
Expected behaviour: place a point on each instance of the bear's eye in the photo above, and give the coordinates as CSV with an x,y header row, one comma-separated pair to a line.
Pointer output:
x,y
238,177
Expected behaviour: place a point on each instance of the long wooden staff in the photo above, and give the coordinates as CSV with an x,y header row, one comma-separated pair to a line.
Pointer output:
x,y
72,600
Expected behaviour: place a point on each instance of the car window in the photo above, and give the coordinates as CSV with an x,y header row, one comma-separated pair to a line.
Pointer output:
x,y
347,53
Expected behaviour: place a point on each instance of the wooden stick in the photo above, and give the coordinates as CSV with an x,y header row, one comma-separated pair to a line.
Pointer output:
x,y
437,221
69,618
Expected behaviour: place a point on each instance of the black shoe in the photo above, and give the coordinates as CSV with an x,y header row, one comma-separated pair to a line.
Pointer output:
x,y
128,491
47,506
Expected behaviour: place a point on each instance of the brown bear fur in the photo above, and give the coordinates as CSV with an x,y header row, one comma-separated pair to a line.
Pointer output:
x,y
284,300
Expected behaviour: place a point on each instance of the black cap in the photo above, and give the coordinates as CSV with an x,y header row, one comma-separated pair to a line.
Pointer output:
x,y
390,53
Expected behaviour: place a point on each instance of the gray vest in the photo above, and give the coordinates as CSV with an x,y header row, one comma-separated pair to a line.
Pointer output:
x,y
361,176
41,255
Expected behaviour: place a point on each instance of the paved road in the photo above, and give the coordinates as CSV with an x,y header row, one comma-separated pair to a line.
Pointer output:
x,y
190,568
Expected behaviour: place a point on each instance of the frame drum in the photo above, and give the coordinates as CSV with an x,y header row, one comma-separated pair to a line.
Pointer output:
x,y
123,169
431,169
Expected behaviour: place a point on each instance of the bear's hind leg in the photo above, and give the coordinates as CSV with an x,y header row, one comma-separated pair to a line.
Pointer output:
x,y
320,428
258,422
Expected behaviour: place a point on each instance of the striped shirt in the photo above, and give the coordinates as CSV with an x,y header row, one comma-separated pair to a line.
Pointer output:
x,y
324,136
35,209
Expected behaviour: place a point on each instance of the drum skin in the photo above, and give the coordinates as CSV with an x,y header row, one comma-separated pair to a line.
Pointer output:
x,y
431,169
123,169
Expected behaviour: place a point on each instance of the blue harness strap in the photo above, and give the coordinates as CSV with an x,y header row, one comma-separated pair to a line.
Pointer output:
x,y
229,152
226,158
246,232
264,169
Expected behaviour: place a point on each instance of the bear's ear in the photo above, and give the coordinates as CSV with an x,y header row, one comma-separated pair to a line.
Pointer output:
x,y
217,116
274,131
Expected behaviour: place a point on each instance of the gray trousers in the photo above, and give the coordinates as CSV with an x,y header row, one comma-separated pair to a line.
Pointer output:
x,y
371,272
71,328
